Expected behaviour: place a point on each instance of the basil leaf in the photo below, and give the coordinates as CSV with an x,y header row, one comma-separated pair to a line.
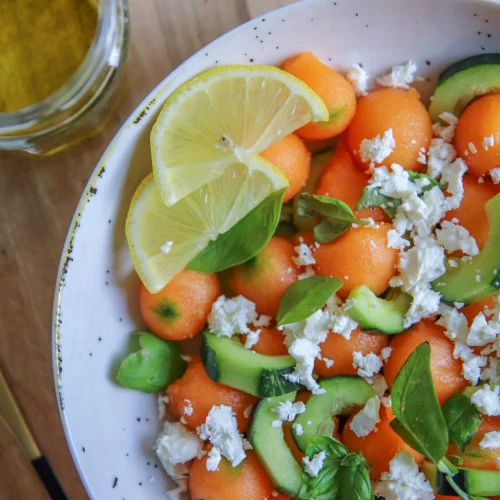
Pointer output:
x,y
372,197
337,216
343,475
244,240
462,418
304,297
157,364
419,420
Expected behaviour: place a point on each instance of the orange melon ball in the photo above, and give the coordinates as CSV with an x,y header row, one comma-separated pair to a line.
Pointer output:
x,y
446,370
477,136
359,257
396,109
291,156
337,93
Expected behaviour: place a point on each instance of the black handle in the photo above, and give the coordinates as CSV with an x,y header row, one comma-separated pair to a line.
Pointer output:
x,y
45,473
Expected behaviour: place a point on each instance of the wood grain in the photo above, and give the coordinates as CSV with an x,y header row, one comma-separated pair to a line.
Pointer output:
x,y
37,199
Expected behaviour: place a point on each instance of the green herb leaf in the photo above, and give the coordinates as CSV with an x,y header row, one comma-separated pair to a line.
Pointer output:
x,y
244,240
337,216
157,364
343,475
462,418
372,197
304,297
419,420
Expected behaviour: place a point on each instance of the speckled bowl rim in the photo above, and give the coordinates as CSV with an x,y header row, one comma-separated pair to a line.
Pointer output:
x,y
66,259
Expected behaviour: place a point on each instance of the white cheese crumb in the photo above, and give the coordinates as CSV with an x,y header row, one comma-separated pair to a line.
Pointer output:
x,y
483,332
304,255
367,418
287,411
379,383
328,362
403,481
453,237
452,177
166,247
368,365
230,316
487,400
377,149
495,175
439,156
299,430
425,303
386,353
308,272
422,158
472,148
188,408
400,76
452,263
358,78
472,368
221,429
252,338
313,466
488,142
175,446
162,401
446,132
491,440
339,320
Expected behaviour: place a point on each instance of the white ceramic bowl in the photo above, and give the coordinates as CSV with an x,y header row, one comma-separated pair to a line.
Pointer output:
x,y
110,430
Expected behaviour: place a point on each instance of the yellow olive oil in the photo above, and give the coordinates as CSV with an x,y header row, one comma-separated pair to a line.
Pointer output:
x,y
42,44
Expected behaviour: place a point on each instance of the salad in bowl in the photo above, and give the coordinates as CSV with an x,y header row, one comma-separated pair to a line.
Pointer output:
x,y
319,282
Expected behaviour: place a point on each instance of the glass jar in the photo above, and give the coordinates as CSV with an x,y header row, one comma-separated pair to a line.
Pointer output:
x,y
77,109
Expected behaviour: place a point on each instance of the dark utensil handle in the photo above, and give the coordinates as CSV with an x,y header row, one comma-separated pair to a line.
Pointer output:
x,y
46,474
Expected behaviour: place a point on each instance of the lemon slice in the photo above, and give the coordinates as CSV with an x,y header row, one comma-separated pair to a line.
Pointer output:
x,y
163,240
220,120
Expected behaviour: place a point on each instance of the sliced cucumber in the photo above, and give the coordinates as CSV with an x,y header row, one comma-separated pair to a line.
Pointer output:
x,y
480,277
463,81
269,444
374,313
343,392
226,361
475,482
319,162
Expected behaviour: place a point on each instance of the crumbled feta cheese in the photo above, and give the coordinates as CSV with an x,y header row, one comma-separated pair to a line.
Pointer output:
x,y
452,263
472,148
421,156
368,365
230,316
491,440
213,459
439,156
488,142
495,175
400,76
358,78
487,400
340,322
472,368
313,466
483,332
395,240
446,132
386,353
394,183
252,338
379,383
304,255
453,237
454,323
452,176
304,352
162,401
308,272
221,429
299,430
287,411
367,418
403,481
166,247
328,362
377,149
491,373
175,446
188,408
425,303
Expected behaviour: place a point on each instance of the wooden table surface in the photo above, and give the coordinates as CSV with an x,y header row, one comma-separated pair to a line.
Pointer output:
x,y
37,199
